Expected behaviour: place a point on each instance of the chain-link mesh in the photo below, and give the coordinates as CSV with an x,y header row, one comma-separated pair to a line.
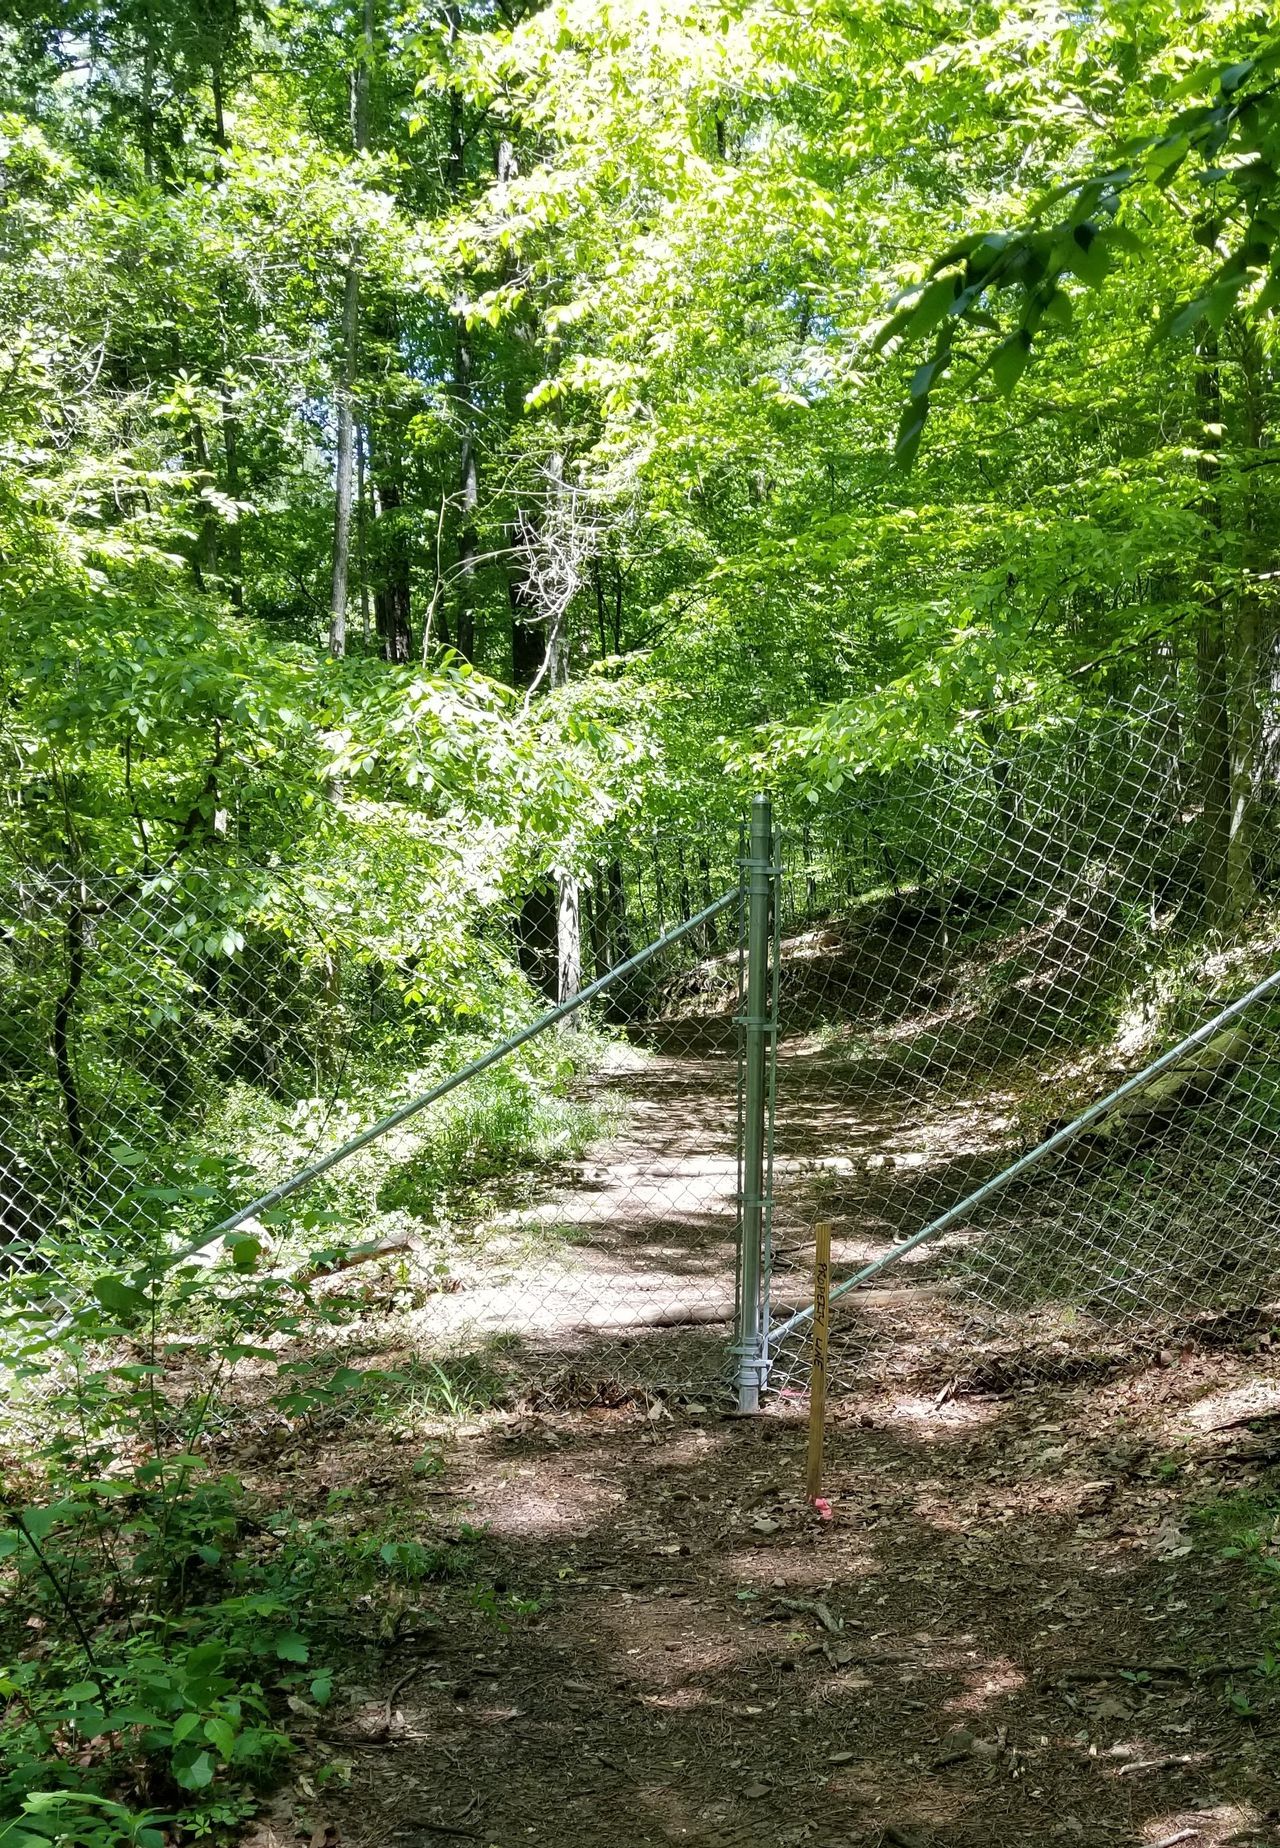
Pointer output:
x,y
976,951
176,1047
967,954
164,1041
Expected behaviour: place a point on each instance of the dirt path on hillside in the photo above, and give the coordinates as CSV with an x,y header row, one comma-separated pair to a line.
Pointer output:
x,y
1015,1629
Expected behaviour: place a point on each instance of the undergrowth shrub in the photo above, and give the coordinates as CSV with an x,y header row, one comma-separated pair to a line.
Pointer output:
x,y
151,1646
516,1117
157,1624
157,1621
1244,1529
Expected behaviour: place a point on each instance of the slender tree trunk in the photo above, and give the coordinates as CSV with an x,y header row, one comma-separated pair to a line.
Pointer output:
x,y
1226,669
597,909
392,597
528,646
597,581
148,114
569,939
362,531
63,1012
231,459
342,497
464,626
620,936
230,419
540,668
1244,668
469,486
219,110
704,880
343,470
205,555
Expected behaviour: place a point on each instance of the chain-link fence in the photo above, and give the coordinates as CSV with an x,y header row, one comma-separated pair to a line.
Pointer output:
x,y
956,962
974,953
194,1054
164,1039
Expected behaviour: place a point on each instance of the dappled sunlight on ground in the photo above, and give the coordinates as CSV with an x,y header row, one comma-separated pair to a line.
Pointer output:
x,y
985,1684
1249,1398
966,1651
931,1420
1215,1826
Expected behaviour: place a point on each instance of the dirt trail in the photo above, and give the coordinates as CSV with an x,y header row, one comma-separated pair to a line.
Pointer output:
x,y
1011,1631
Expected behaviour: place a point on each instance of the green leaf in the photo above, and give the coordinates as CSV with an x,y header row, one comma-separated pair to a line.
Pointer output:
x,y
926,376
910,430
1236,74
119,1297
1181,320
133,1716
1087,255
222,1734
1009,361
197,1775
894,326
245,1252
291,1647
931,307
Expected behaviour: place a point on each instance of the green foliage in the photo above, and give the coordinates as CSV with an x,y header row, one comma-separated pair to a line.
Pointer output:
x,y
176,1615
1245,1529
169,1644
1228,144
610,302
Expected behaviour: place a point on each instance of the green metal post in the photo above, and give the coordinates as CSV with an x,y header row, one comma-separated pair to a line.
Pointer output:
x,y
757,1037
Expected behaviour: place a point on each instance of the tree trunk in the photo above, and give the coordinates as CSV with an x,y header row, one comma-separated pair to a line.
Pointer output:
x,y
392,597
1244,666
528,646
598,929
230,418
537,939
469,484
1225,701
713,924
568,938
620,936
343,471
231,459
204,561
362,531
464,625
342,496
62,1016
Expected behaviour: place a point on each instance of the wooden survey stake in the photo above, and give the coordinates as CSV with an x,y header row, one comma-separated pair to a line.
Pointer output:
x,y
818,1374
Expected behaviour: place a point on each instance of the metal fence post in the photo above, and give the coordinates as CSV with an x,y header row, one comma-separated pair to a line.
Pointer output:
x,y
757,1037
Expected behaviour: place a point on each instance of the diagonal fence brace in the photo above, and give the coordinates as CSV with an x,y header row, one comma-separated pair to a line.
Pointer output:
x,y
274,1195
1049,1146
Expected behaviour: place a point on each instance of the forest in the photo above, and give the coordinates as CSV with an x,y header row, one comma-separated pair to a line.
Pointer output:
x,y
454,456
